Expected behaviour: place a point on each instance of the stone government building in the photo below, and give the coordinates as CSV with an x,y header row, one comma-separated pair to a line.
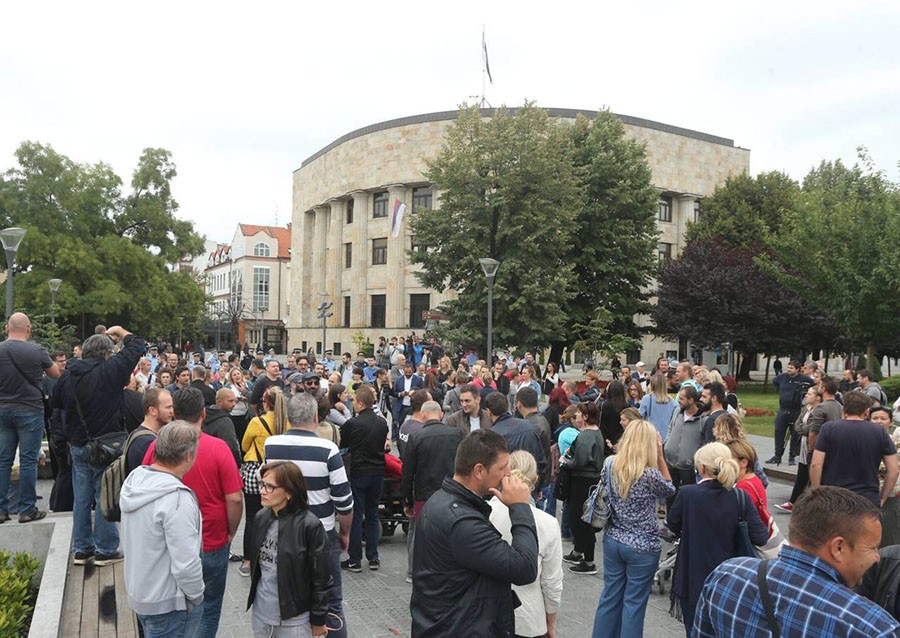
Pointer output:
x,y
343,199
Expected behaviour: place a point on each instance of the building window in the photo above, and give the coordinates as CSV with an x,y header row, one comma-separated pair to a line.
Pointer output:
x,y
319,347
696,211
379,303
632,357
303,345
665,209
349,211
336,350
419,304
379,251
421,199
380,201
260,287
346,312
348,255
664,252
261,250
416,247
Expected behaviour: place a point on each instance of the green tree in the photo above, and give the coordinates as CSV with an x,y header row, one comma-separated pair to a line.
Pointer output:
x,y
508,190
115,267
614,247
839,251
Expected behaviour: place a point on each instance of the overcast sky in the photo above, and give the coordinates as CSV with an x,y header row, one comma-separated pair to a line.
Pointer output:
x,y
242,93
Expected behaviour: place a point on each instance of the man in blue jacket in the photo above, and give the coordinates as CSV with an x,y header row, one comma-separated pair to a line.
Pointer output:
x,y
791,387
404,386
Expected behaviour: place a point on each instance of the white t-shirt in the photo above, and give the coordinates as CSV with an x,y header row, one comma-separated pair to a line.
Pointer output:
x,y
474,423
407,386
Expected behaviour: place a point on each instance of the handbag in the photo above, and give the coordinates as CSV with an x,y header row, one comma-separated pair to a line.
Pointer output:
x,y
743,544
776,538
104,449
597,511
250,469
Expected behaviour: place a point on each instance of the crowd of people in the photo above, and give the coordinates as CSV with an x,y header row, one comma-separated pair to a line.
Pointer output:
x,y
482,454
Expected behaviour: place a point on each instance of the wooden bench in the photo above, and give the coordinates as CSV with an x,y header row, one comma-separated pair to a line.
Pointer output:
x,y
96,603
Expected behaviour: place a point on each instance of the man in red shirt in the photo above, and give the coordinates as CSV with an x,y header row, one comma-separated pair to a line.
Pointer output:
x,y
216,482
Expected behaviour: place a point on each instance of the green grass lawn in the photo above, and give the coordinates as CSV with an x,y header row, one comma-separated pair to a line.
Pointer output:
x,y
755,395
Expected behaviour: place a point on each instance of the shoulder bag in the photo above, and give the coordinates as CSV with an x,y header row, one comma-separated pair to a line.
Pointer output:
x,y
597,511
744,547
104,449
776,538
250,469
766,598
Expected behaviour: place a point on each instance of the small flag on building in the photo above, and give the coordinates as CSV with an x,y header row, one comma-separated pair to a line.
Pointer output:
x,y
397,221
487,67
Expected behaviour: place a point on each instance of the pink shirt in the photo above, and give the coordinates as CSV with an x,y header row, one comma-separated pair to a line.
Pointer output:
x,y
213,475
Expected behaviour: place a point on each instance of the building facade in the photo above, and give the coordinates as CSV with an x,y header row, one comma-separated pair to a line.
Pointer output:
x,y
344,196
247,283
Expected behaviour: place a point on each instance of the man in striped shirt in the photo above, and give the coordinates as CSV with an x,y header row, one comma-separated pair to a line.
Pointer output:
x,y
328,489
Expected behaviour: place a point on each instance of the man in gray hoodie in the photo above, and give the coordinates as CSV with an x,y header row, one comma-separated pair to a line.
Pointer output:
x,y
161,537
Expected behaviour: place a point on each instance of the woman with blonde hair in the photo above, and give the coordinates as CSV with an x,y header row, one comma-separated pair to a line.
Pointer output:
x,y
637,476
657,406
445,369
729,427
706,517
253,444
536,616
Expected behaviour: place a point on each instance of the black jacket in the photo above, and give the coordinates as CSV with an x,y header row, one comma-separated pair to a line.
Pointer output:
x,y
99,385
219,424
881,583
428,459
463,569
304,577
365,436
209,395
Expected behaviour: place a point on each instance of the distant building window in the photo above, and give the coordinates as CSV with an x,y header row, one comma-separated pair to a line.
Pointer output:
x,y
379,303
380,204
421,198
348,255
303,346
261,250
319,347
664,252
260,287
696,211
336,349
665,209
379,251
349,211
417,247
419,304
632,356
346,312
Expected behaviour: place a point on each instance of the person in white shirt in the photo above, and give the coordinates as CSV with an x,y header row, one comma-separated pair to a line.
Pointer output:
x,y
536,616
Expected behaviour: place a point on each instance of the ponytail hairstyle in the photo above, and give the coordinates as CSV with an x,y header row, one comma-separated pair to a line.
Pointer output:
x,y
717,460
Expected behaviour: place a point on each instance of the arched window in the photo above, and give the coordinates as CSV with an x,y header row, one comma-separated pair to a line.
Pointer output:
x,y
261,250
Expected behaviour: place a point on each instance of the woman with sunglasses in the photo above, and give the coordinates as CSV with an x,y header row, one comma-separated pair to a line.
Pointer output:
x,y
289,559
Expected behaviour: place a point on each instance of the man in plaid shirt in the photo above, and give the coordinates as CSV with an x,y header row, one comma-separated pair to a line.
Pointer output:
x,y
834,535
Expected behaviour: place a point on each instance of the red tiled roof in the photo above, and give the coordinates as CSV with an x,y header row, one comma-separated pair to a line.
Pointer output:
x,y
282,235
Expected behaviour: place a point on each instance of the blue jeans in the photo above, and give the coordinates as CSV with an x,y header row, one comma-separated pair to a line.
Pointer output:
x,y
90,531
564,528
547,501
215,569
366,494
627,581
335,594
22,429
174,624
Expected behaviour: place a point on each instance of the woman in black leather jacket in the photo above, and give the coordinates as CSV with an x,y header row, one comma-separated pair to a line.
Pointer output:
x,y
290,576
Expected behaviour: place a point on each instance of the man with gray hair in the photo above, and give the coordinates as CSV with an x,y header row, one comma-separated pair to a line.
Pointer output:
x,y
328,489
161,537
22,365
91,393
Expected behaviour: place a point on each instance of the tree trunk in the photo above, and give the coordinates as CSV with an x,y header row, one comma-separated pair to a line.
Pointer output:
x,y
744,371
870,356
556,352
766,377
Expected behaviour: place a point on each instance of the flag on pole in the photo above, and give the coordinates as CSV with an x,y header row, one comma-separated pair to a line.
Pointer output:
x,y
487,66
397,221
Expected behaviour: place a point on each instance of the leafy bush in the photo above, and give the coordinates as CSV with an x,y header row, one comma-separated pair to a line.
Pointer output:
x,y
875,367
16,574
891,387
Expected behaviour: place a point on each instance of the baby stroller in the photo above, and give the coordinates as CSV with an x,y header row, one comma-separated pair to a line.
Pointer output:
x,y
390,508
666,569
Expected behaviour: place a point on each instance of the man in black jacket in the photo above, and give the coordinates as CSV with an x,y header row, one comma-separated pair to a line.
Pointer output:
x,y
90,392
365,435
218,423
429,458
198,380
462,568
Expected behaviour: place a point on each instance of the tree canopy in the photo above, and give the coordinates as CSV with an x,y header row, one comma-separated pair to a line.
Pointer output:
x,y
567,208
115,252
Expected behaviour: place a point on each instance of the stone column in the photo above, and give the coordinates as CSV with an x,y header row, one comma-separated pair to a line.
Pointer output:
x,y
307,286
684,214
333,259
397,310
359,310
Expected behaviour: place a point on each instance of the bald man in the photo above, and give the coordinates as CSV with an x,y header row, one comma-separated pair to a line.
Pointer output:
x,y
22,366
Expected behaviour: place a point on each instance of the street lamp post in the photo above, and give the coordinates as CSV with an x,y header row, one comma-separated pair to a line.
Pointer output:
x,y
490,266
11,238
54,287
262,341
323,311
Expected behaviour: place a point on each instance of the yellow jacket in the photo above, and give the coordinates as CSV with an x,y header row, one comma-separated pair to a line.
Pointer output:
x,y
258,430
